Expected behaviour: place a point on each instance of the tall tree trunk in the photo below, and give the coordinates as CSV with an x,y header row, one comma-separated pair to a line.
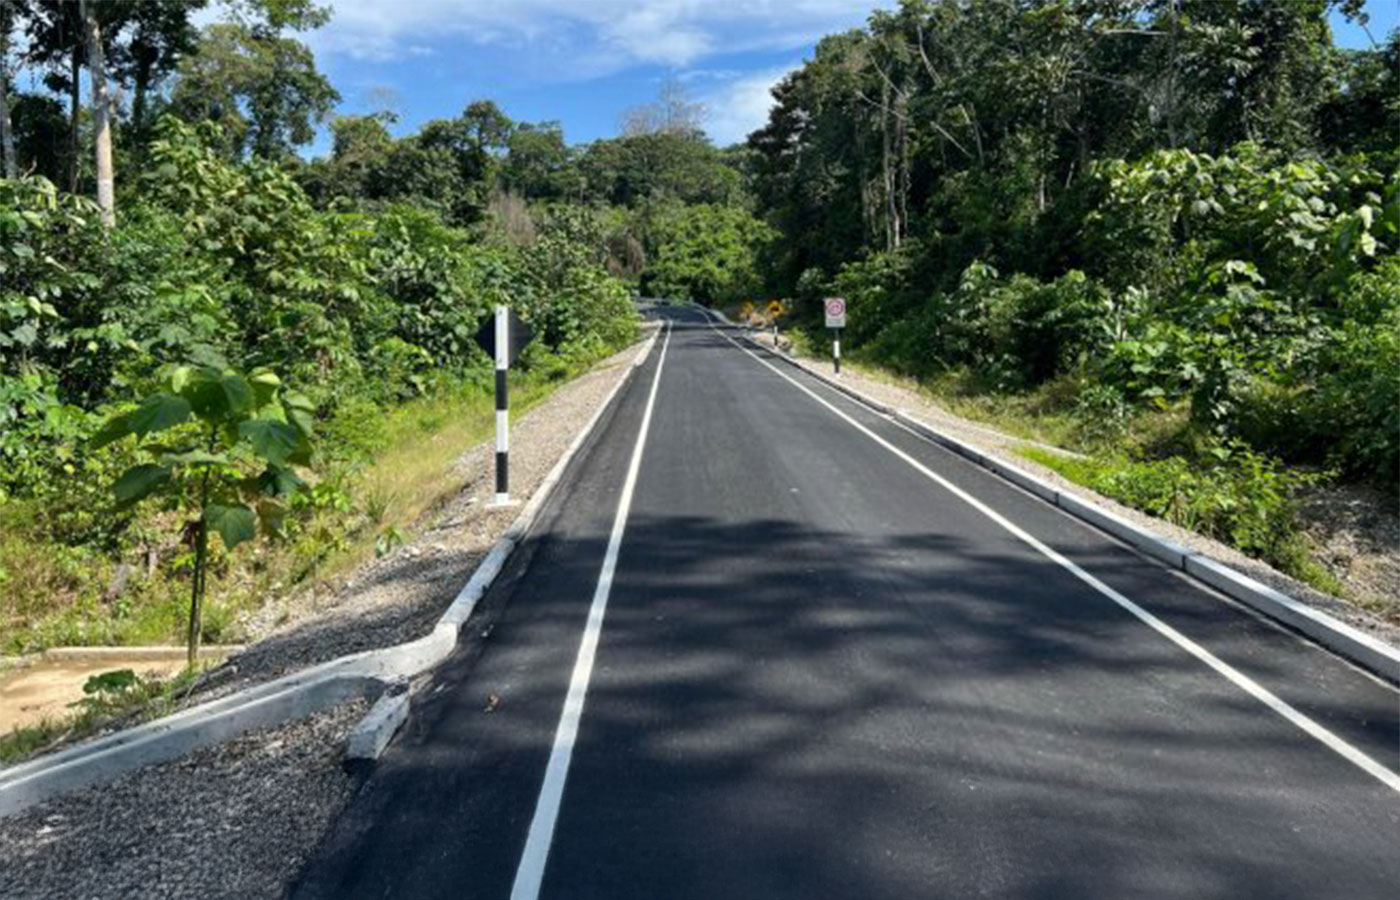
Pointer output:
x,y
886,175
7,138
892,150
902,184
101,114
74,100
138,102
1171,73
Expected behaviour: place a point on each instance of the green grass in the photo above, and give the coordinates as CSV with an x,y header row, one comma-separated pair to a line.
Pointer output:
x,y
391,468
1243,500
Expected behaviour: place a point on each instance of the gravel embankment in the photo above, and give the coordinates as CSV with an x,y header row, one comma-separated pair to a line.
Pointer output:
x,y
1373,550
236,820
400,597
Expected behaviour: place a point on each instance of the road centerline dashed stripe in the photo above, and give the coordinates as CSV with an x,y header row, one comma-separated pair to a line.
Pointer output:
x,y
1242,681
529,875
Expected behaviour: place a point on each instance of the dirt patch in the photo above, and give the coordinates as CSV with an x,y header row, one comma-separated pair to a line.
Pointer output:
x,y
1355,532
45,688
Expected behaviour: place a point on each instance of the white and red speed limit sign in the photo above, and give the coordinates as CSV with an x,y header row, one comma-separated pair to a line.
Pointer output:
x,y
835,312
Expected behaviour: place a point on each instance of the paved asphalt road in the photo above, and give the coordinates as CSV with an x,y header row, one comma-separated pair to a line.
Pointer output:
x,y
820,665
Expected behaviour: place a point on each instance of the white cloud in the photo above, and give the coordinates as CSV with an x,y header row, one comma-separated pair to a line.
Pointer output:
x,y
742,106
592,35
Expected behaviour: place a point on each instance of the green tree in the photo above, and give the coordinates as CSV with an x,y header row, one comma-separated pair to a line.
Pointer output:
x,y
263,89
538,164
225,451
708,254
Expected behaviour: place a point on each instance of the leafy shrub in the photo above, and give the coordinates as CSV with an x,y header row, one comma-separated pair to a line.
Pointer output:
x,y
1230,493
1357,402
226,452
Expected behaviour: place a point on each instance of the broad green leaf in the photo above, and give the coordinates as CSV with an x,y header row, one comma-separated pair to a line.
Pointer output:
x,y
274,441
265,385
180,377
238,392
300,411
139,482
271,516
195,458
279,482
206,397
234,524
114,429
159,412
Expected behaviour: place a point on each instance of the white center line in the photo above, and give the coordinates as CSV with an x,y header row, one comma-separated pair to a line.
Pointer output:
x,y
1234,676
530,874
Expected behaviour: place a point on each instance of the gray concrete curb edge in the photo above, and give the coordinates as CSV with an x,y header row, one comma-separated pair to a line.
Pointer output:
x,y
1376,656
300,694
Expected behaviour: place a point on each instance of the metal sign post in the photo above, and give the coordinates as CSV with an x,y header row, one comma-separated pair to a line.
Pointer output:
x,y
836,320
503,336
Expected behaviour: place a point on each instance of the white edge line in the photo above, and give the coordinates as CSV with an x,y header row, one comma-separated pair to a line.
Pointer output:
x,y
1376,659
1230,673
530,874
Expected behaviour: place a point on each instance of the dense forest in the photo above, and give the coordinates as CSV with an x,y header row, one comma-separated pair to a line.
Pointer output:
x,y
1168,226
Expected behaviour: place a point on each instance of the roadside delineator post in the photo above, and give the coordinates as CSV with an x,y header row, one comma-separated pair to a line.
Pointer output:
x,y
503,336
835,320
502,406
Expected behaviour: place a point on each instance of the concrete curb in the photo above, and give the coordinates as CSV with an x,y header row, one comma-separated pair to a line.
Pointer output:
x,y
299,694
373,733
1371,654
134,654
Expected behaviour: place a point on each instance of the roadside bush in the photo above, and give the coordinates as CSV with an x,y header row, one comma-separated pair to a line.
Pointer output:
x,y
1230,493
1035,330
1357,403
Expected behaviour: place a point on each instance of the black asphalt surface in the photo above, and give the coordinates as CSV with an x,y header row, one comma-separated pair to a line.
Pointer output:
x,y
823,675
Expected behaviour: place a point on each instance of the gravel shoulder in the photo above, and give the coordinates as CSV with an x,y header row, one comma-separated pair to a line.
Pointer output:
x,y
236,820
1350,526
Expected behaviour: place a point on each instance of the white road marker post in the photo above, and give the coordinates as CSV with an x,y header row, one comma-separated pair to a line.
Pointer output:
x,y
835,320
502,405
503,336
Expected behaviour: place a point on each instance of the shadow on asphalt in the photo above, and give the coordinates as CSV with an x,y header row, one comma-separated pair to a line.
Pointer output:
x,y
914,717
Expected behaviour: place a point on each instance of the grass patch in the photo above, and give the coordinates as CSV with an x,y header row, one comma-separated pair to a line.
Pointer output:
x,y
386,470
1241,498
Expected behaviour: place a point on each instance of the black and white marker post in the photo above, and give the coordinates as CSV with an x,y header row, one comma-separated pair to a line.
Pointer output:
x,y
502,405
835,320
503,336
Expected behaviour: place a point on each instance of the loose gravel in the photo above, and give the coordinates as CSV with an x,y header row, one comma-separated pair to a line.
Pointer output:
x,y
1363,530
401,596
236,820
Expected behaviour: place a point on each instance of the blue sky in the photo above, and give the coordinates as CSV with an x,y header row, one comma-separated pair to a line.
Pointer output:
x,y
582,62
